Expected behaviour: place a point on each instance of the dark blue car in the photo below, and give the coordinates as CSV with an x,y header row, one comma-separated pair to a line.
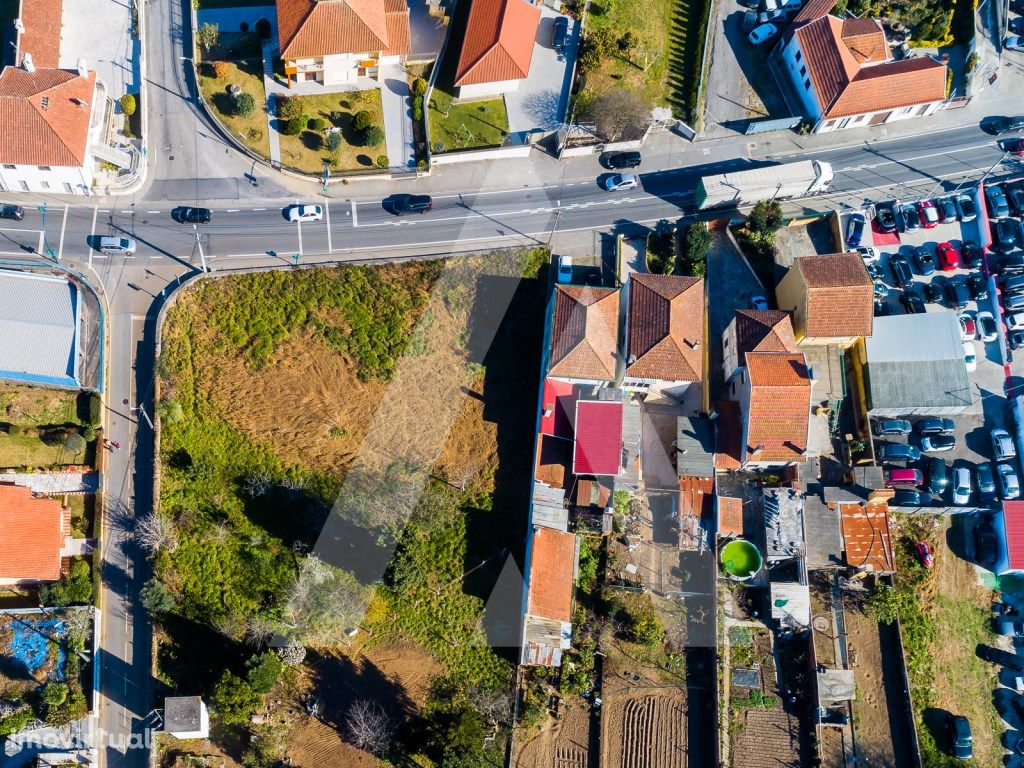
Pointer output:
x,y
855,230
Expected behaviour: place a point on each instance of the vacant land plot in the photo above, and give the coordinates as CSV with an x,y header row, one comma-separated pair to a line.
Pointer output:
x,y
644,728
251,130
34,423
562,743
308,150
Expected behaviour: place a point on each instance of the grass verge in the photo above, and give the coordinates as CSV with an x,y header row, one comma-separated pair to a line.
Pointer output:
x,y
251,130
306,151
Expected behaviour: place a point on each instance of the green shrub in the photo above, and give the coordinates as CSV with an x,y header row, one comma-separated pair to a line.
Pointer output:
x,y
170,412
334,140
317,124
95,410
382,161
89,434
419,87
15,722
234,700
417,109
155,598
373,136
74,443
289,107
128,104
264,670
15,430
243,104
75,588
294,127
361,120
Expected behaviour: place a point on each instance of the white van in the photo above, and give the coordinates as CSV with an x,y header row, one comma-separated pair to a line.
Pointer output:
x,y
117,246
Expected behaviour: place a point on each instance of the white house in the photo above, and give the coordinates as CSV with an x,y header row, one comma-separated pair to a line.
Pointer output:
x,y
497,48
844,75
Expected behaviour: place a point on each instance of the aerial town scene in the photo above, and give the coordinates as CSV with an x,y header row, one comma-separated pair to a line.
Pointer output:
x,y
511,383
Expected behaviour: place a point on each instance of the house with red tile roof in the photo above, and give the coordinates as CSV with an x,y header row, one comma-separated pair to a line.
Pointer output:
x,y
550,579
755,330
774,393
337,42
844,75
665,334
34,533
497,48
831,297
584,334
52,120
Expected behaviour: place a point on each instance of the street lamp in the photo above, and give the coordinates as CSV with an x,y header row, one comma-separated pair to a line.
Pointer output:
x,y
47,248
327,174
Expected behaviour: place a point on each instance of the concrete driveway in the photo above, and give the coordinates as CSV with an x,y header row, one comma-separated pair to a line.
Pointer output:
x,y
101,33
541,100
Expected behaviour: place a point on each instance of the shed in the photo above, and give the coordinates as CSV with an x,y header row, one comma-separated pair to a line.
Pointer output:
x,y
186,717
791,603
835,686
695,447
40,324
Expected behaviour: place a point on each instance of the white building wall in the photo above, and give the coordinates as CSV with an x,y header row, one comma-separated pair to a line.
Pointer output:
x,y
342,68
64,180
892,116
487,90
795,66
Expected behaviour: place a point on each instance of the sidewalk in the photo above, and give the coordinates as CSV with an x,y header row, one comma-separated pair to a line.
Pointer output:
x,y
397,108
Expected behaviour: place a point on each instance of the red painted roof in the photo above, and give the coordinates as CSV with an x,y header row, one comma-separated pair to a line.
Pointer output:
x,y
499,41
32,534
1013,517
558,408
598,449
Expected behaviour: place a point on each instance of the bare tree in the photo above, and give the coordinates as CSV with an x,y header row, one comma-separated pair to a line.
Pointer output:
x,y
369,727
494,704
258,630
620,115
154,532
258,483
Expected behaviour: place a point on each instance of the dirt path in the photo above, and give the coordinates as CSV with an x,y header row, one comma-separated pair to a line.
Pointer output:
x,y
563,743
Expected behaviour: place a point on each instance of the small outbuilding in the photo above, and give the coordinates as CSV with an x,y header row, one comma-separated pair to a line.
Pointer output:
x,y
186,717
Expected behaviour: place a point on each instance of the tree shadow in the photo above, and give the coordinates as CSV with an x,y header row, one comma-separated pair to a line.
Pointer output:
x,y
339,681
312,141
364,160
543,108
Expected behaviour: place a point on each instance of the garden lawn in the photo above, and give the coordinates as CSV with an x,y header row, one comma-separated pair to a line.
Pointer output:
x,y
27,451
251,130
471,125
307,151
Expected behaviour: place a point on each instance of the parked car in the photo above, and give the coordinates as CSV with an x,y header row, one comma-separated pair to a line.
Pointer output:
x,y
1013,146
908,497
971,254
887,427
1011,264
305,213
996,201
1002,444
947,209
965,207
938,475
961,486
619,182
403,204
1012,283
15,212
619,160
1015,194
911,300
880,290
900,269
762,34
898,452
565,269
998,655
1016,25
874,270
949,259
758,302
1006,234
928,212
855,229
986,545
986,482
1013,43
970,357
978,286
1015,322
903,478
987,326
560,34
885,217
925,554
1013,302
1015,629
934,425
938,443
1001,125
868,254
960,737
911,218
882,309
924,261
933,291
956,292
968,328
1015,339
1009,484
185,215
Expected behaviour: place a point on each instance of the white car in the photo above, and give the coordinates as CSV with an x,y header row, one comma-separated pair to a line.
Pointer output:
x,y
565,269
970,357
1008,482
762,34
968,328
868,253
1002,445
1015,322
961,486
305,213
1014,43
621,181
987,326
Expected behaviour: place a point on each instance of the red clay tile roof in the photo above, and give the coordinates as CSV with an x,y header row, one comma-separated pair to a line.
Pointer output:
x,y
730,516
1013,522
40,117
865,39
552,570
840,297
813,9
598,447
779,410
42,20
769,330
666,328
892,85
32,534
867,539
310,28
499,41
558,408
584,332
727,446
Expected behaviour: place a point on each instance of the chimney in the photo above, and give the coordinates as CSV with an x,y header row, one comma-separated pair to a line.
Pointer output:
x,y
26,62
19,25
80,66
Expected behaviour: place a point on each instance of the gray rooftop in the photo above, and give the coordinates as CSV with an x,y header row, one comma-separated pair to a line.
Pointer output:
x,y
695,447
824,534
183,714
835,685
865,480
791,603
784,523
549,507
39,325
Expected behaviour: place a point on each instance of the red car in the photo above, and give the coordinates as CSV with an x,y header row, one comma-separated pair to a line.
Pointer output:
x,y
929,213
949,259
924,554
1014,146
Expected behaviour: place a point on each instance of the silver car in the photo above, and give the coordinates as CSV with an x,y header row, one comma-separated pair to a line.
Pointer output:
x,y
618,182
1009,485
961,486
1002,445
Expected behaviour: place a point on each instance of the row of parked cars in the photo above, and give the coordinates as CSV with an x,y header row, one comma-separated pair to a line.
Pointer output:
x,y
895,216
931,473
1004,202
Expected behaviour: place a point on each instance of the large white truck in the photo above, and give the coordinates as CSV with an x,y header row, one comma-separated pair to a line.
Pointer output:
x,y
771,182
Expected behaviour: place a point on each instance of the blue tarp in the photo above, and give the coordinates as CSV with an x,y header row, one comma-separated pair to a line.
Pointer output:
x,y
29,645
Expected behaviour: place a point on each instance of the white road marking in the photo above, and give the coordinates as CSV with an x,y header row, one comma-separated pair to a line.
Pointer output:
x,y
355,215
63,224
903,160
259,209
327,216
231,210
128,211
152,211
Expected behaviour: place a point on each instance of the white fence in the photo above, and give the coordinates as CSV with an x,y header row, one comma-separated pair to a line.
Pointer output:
x,y
498,153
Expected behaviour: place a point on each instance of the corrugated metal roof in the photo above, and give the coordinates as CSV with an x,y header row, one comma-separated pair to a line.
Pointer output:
x,y
791,603
39,320
824,540
918,337
784,523
695,447
1013,522
598,449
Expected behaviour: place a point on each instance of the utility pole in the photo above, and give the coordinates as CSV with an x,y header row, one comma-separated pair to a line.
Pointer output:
x,y
327,174
48,249
142,412
199,245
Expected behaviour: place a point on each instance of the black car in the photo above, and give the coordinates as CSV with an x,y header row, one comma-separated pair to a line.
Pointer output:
x,y
185,215
960,739
996,200
978,286
965,207
947,210
616,161
986,482
560,34
911,218
403,204
911,300
938,475
1016,25
1015,194
897,452
1015,339
986,544
884,427
998,655
971,254
933,292
1006,234
957,293
934,425
900,269
905,497
874,270
1012,264
885,217
882,309
924,261
15,212
998,125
